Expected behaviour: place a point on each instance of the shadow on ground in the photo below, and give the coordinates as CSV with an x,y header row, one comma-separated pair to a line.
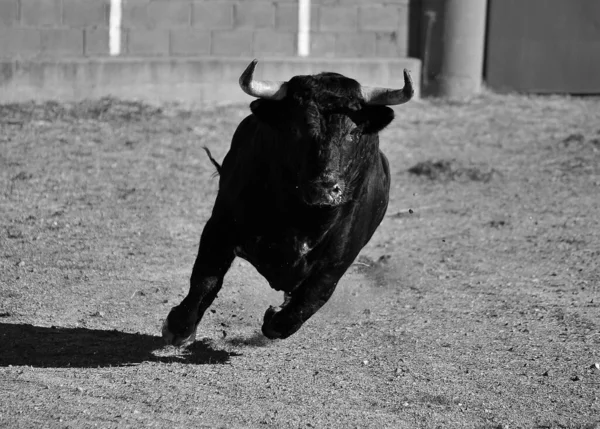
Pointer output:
x,y
58,347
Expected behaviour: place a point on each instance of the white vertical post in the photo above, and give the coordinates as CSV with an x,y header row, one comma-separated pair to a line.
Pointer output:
x,y
303,28
114,29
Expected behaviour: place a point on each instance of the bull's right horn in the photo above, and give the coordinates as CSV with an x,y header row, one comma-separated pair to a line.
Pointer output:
x,y
389,97
265,89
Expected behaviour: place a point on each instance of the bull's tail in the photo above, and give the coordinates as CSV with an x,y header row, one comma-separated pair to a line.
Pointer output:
x,y
215,163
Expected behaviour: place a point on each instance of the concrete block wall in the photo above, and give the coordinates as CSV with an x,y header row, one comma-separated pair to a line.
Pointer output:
x,y
193,51
238,28
361,28
53,28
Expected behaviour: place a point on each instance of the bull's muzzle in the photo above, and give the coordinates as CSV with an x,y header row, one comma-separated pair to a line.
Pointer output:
x,y
324,193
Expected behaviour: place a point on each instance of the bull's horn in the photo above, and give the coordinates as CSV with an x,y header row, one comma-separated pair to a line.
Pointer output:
x,y
266,89
389,97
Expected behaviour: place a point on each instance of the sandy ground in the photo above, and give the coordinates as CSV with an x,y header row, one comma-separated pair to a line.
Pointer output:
x,y
480,309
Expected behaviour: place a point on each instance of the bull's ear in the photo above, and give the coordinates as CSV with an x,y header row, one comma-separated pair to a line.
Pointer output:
x,y
375,118
267,110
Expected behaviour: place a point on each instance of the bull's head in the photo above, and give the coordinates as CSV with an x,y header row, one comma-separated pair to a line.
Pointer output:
x,y
326,127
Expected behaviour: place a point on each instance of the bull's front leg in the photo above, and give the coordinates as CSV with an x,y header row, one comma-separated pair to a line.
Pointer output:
x,y
299,305
215,255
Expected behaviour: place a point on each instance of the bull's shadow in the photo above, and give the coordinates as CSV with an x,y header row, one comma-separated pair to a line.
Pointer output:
x,y
22,344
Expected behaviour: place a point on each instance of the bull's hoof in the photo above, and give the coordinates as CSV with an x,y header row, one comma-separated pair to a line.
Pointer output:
x,y
277,325
267,327
185,335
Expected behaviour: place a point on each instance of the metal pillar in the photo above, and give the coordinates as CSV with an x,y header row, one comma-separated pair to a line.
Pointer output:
x,y
458,70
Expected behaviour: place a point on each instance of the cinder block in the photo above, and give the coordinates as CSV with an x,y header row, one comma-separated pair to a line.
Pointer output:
x,y
9,13
85,13
193,41
322,44
274,44
20,42
378,18
286,17
135,14
233,43
254,15
62,42
212,15
148,42
41,13
355,45
315,17
96,42
338,18
392,43
169,14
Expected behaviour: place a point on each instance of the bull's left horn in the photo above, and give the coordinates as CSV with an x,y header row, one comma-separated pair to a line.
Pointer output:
x,y
389,97
266,89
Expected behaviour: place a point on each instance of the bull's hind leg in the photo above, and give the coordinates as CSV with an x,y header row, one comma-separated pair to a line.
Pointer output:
x,y
300,305
214,259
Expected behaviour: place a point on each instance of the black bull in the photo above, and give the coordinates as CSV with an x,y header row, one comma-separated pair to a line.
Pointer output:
x,y
301,191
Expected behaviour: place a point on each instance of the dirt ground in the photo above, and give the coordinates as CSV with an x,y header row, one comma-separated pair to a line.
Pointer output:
x,y
475,305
